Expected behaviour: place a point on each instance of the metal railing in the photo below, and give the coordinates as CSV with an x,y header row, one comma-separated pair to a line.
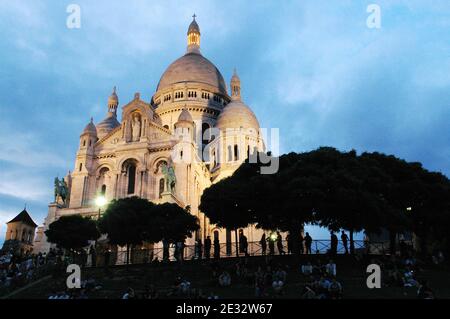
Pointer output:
x,y
228,250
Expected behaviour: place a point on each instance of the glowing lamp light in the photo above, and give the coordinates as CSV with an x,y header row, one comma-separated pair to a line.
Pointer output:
x,y
409,209
273,236
101,201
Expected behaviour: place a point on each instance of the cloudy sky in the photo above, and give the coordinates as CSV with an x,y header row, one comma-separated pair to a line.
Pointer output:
x,y
316,71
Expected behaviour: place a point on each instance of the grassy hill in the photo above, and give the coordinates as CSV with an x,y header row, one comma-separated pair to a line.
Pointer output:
x,y
350,272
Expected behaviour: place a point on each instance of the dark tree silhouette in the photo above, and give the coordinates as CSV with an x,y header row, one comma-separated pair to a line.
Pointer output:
x,y
72,233
338,190
171,222
132,221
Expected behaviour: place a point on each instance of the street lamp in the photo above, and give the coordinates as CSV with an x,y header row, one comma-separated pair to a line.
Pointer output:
x,y
100,201
273,236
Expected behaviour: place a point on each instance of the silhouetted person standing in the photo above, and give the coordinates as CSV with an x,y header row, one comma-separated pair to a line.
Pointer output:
x,y
263,244
344,239
280,244
290,243
334,244
166,253
271,245
107,257
216,248
300,244
244,244
308,242
208,247
200,248
93,254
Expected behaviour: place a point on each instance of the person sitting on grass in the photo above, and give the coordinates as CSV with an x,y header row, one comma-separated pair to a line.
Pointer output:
x,y
438,258
185,287
424,291
224,279
260,287
129,294
280,274
335,289
213,296
307,269
322,287
318,270
278,286
409,279
330,268
268,276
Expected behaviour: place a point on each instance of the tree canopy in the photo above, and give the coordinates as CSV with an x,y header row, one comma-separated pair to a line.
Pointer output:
x,y
132,221
337,190
72,232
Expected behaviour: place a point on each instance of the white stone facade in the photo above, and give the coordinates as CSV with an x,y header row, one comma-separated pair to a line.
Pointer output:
x,y
120,159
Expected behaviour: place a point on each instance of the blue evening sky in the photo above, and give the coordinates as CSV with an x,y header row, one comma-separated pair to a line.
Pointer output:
x,y
316,71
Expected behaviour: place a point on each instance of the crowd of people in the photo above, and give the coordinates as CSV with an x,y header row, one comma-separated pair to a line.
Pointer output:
x,y
269,277
272,244
16,270
321,281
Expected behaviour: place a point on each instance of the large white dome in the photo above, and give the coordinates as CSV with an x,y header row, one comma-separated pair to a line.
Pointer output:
x,y
193,67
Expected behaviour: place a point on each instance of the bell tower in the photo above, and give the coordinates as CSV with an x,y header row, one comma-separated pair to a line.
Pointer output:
x,y
235,87
193,37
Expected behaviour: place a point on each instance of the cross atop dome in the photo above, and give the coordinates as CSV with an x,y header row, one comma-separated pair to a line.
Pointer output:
x,y
193,36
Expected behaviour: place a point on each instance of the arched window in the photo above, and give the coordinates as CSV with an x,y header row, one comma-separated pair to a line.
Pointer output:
x,y
130,168
131,179
84,143
236,153
161,187
230,153
103,191
206,133
166,127
216,235
81,167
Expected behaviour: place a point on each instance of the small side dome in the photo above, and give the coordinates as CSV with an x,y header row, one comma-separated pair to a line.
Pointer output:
x,y
185,116
237,115
90,128
107,125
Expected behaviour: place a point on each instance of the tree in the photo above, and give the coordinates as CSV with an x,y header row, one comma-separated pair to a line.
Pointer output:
x,y
226,204
72,233
349,203
338,190
133,221
126,221
171,222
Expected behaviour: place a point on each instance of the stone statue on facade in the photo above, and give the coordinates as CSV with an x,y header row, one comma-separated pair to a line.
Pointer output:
x,y
136,128
169,176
